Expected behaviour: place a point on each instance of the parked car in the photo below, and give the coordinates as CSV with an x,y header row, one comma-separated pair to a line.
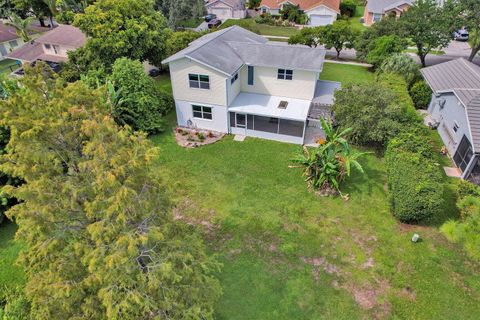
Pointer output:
x,y
461,35
214,23
154,72
209,17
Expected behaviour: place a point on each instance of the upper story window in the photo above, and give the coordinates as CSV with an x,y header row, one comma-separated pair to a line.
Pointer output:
x,y
455,126
284,74
234,78
47,46
13,43
250,75
56,49
199,81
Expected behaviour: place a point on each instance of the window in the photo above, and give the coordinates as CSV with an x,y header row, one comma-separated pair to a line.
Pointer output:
x,y
456,127
250,75
202,112
464,154
3,51
234,78
199,81
284,74
377,17
56,48
47,46
264,10
13,43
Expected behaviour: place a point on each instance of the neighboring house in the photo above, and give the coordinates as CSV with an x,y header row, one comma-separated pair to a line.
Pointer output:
x,y
9,40
319,12
455,108
375,10
235,81
51,47
227,9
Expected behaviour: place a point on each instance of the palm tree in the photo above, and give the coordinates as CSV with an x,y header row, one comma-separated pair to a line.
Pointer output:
x,y
52,7
329,164
20,25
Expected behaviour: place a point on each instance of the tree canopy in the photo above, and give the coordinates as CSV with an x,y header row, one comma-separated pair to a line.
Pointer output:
x,y
98,227
470,10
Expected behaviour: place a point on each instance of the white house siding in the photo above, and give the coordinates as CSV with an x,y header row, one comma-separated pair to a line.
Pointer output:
x,y
233,89
185,117
453,111
321,15
9,46
61,50
216,95
265,82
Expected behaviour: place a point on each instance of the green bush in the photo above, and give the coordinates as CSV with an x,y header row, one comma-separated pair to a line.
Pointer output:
x,y
140,103
415,185
402,65
412,142
421,94
348,8
383,47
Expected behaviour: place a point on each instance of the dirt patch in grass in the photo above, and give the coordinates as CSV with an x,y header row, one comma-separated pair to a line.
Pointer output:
x,y
368,297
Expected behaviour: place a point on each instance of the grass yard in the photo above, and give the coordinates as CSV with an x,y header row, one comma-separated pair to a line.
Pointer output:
x,y
191,23
262,29
10,274
164,82
346,73
355,20
289,254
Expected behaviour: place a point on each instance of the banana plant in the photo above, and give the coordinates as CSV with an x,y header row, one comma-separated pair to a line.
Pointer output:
x,y
20,25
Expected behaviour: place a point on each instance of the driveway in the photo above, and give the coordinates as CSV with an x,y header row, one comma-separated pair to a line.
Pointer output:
x,y
202,27
458,49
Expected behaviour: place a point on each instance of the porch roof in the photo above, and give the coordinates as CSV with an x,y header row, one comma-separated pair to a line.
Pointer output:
x,y
264,105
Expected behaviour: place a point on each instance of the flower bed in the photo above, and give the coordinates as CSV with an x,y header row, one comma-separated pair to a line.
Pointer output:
x,y
192,138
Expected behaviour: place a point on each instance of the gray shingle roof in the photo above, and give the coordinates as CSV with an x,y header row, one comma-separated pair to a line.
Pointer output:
x,y
463,79
229,49
379,6
64,35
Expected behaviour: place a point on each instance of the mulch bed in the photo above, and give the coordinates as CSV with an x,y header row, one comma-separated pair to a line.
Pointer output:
x,y
193,138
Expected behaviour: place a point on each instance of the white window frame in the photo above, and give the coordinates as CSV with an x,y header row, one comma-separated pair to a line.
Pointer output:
x,y
56,48
201,112
200,84
285,74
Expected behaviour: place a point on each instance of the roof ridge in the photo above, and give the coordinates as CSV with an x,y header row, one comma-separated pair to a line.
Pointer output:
x,y
213,38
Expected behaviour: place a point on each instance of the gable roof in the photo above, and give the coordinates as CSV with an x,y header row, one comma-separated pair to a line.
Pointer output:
x,y
229,49
380,6
463,79
234,4
65,35
303,4
7,33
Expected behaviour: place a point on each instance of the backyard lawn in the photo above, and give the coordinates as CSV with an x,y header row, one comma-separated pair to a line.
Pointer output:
x,y
262,29
10,274
288,254
7,66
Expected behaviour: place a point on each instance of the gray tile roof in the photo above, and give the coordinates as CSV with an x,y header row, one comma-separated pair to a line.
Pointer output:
x,y
463,79
455,74
229,49
64,35
380,6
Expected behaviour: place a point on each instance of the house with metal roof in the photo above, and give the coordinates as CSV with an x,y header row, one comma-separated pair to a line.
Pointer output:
x,y
235,81
455,112
319,12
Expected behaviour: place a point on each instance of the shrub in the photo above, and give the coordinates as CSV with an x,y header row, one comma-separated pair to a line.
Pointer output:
x,y
348,8
140,102
415,185
466,188
265,18
373,111
402,65
421,94
412,142
383,47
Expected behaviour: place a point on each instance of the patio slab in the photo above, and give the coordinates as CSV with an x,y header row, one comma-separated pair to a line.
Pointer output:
x,y
452,172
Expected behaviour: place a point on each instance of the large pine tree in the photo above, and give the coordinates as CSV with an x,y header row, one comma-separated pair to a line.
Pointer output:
x,y
102,243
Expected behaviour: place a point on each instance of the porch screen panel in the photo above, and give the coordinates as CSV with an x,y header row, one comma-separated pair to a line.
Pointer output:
x,y
249,122
266,124
464,154
291,128
232,119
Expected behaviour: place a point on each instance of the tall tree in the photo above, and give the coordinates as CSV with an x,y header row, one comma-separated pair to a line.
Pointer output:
x,y
123,28
101,240
36,7
471,19
52,10
20,25
429,26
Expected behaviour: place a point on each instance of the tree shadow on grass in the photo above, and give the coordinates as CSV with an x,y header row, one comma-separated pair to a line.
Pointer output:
x,y
371,181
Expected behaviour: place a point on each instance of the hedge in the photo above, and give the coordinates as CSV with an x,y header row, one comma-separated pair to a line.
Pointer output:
x,y
414,179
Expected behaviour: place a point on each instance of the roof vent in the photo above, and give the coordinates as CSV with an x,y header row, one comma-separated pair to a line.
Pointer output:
x,y
283,105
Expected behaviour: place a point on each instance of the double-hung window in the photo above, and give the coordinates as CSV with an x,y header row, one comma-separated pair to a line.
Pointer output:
x,y
234,78
250,71
199,81
285,74
202,112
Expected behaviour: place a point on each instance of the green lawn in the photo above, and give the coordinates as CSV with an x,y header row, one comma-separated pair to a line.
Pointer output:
x,y
10,273
289,254
164,82
346,73
191,23
262,29
356,19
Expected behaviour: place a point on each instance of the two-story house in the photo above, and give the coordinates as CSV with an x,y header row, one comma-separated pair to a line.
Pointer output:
x,y
455,111
51,47
235,81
